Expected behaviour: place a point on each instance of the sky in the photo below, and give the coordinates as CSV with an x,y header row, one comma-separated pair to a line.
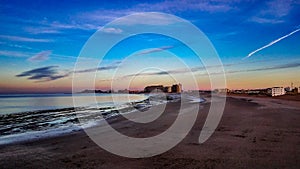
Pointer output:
x,y
258,43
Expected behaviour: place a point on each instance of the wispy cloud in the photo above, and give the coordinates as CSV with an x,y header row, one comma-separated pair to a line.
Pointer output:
x,y
161,73
102,16
13,54
16,45
201,71
28,55
272,43
42,30
42,56
43,74
83,26
94,20
187,5
57,27
154,50
147,19
278,8
276,67
112,30
23,39
274,11
111,67
50,73
266,20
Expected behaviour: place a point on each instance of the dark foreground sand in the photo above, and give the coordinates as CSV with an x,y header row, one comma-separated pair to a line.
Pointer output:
x,y
253,133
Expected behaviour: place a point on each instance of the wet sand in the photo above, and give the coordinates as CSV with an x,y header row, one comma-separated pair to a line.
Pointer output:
x,y
253,133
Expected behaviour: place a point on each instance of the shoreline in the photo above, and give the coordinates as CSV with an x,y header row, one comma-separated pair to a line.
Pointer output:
x,y
271,102
68,120
247,137
295,97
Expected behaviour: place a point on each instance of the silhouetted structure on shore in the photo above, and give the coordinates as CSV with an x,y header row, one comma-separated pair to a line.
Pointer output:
x,y
176,88
154,88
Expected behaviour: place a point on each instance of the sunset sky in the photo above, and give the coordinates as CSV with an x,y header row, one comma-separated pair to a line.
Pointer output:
x,y
258,43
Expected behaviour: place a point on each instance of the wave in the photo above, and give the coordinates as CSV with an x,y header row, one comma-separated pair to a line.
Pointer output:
x,y
31,125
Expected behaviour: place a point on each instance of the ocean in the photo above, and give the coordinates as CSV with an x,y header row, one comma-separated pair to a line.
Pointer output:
x,y
33,116
17,103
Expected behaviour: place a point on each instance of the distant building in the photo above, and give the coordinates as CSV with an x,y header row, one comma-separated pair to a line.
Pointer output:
x,y
296,90
123,91
242,91
167,89
176,88
155,88
276,91
256,91
134,92
222,90
253,91
288,89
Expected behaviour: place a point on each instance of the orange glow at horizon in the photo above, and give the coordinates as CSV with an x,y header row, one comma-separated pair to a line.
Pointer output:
x,y
248,80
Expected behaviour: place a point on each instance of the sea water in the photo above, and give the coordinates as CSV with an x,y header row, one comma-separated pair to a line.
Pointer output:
x,y
33,116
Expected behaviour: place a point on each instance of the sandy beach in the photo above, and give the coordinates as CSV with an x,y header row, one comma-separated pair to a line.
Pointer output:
x,y
253,133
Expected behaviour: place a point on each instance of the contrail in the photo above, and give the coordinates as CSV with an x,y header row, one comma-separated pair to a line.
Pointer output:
x,y
272,43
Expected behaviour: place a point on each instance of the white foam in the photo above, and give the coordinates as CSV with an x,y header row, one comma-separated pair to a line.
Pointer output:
x,y
35,135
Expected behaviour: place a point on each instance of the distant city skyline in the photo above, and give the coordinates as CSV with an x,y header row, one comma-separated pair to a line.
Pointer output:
x,y
258,44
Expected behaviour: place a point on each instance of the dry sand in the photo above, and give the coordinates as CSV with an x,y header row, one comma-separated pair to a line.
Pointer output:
x,y
253,133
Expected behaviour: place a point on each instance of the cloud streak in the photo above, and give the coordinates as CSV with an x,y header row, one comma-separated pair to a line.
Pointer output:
x,y
83,26
272,43
23,39
13,54
154,50
43,74
42,30
97,69
112,30
283,66
201,71
50,73
191,5
101,16
266,20
42,56
274,11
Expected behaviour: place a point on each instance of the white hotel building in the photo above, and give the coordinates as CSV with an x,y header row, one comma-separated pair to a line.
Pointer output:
x,y
276,91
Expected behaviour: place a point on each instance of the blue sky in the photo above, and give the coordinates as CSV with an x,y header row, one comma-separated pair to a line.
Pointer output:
x,y
50,35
